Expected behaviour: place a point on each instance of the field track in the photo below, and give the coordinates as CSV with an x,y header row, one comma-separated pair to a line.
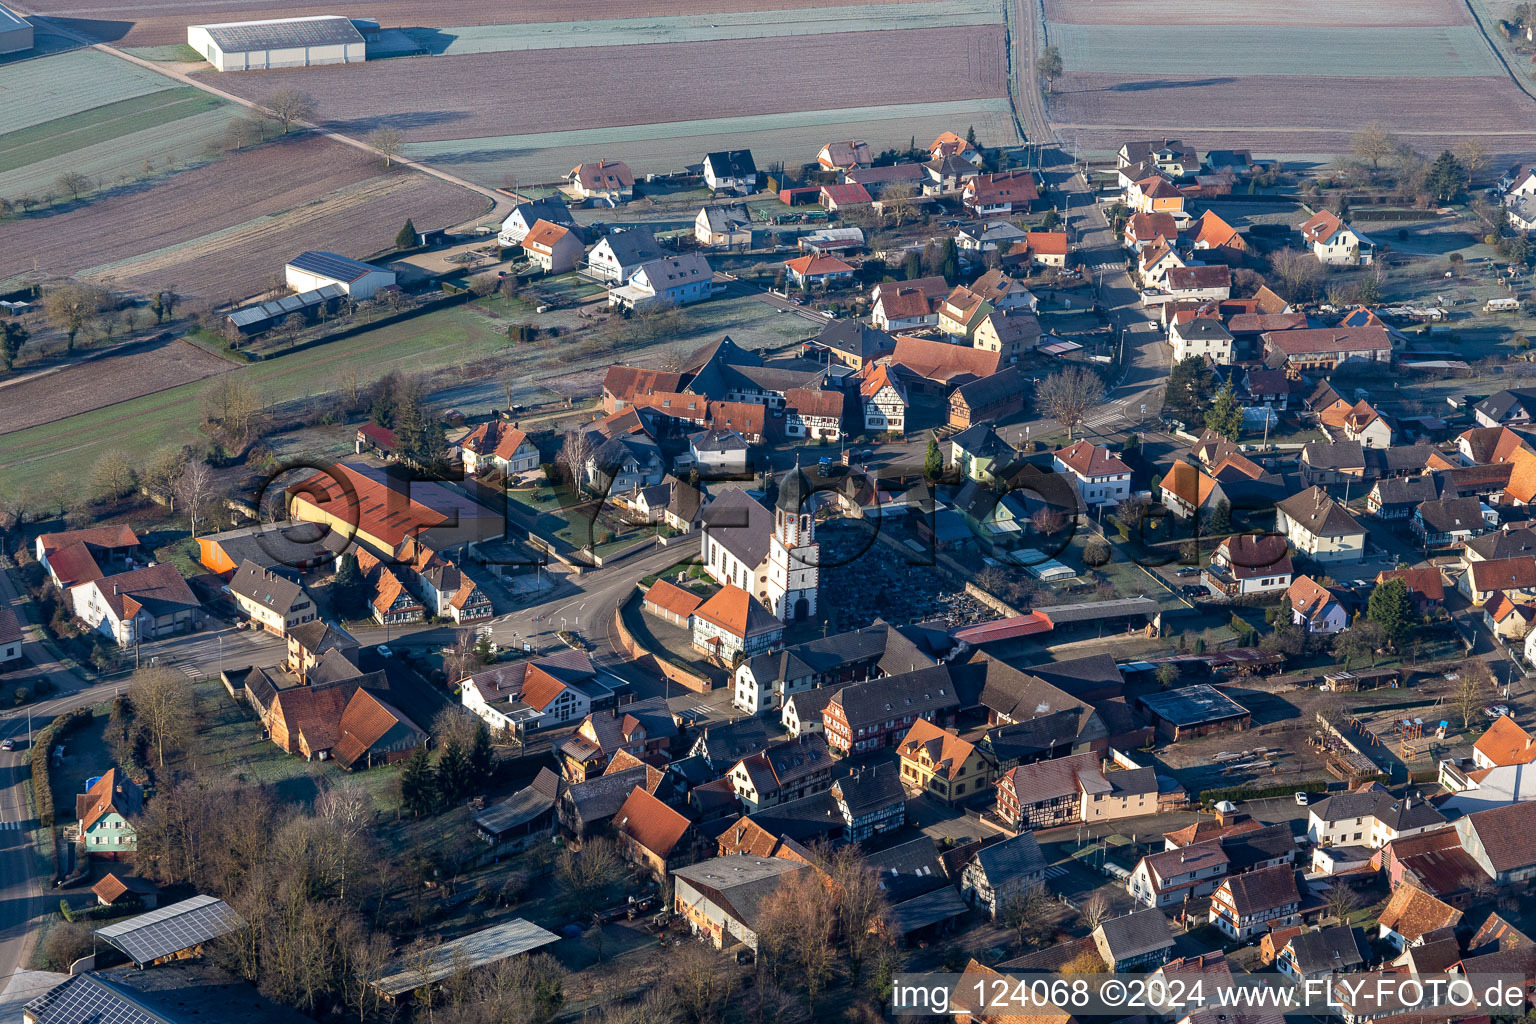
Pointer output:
x,y
1319,13
165,23
95,383
434,98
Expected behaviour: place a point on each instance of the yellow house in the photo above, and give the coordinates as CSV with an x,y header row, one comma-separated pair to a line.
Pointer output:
x,y
937,761
1155,195
962,311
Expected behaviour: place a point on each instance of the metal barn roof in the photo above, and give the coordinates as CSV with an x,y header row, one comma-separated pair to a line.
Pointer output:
x,y
332,265
172,929
475,950
282,33
9,19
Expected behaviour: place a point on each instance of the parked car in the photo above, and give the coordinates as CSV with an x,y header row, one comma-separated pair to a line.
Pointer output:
x,y
1301,799
8,744
1191,590
1188,570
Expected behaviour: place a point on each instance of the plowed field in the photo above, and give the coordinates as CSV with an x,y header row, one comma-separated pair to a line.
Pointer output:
x,y
221,231
499,94
165,23
1321,13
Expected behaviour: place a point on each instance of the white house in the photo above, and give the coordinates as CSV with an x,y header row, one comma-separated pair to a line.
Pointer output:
x,y
732,170
730,224
525,215
885,402
279,43
620,253
901,306
1320,527
1315,608
1200,336
719,452
813,414
500,446
11,636
1102,479
552,690
679,280
1250,564
1248,904
1171,877
603,181
141,604
1197,283
450,593
1336,243
1370,817
310,270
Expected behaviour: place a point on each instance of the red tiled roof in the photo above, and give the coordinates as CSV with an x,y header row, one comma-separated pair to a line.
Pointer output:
x,y
1330,340
941,361
1091,460
817,264
737,612
1426,581
1411,912
674,599
544,235
947,752
1506,743
810,402
650,823
101,536
624,382
1321,226
495,438
363,723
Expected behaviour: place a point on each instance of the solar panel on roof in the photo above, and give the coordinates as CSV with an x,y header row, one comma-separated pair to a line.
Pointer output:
x,y
244,36
172,928
330,264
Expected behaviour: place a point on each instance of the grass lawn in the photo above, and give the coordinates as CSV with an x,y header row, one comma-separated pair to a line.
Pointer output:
x,y
228,742
151,422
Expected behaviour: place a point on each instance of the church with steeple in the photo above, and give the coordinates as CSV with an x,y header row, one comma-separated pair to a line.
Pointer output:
x,y
794,556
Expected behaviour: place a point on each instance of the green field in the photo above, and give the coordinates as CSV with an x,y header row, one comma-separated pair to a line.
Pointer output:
x,y
1443,52
51,87
101,124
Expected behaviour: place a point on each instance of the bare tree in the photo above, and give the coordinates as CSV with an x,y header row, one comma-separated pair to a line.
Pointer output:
x,y
232,407
1472,155
388,142
896,200
1299,270
574,453
195,490
73,182
1047,520
114,474
587,872
1473,683
1373,143
162,700
1341,901
1069,393
290,107
73,307
1096,910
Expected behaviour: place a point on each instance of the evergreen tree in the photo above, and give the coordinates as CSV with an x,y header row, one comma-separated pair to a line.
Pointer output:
x,y
933,460
1445,176
386,405
481,759
416,787
347,586
1220,520
949,264
1392,610
1225,416
970,136
1190,383
912,267
419,436
407,237
12,337
453,777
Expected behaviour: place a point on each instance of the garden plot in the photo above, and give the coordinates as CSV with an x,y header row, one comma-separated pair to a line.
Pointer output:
x,y
35,91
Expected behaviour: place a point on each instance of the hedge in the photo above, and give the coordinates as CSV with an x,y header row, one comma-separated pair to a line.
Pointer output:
x,y
42,784
1236,793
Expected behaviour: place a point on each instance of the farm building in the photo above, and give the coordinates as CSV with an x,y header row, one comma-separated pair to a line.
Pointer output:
x,y
313,270
279,43
15,31
1195,711
264,316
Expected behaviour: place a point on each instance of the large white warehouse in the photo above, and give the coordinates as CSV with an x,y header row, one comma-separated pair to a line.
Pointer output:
x,y
15,31
279,43
310,270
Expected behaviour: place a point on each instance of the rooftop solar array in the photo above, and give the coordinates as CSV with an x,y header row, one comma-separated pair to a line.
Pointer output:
x,y
283,33
170,929
287,304
330,264
86,999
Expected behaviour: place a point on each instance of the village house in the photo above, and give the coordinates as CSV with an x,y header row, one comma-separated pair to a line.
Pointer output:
x,y
1200,336
1038,248
1319,527
1411,914
1316,608
1250,564
962,311
721,899
1084,786
606,181
1153,264
871,715
80,556
1156,195
1507,620
979,454
902,306
1001,194
525,215
998,874
853,344
498,446
883,399
1142,229
1505,743
1308,955
1134,942
719,453
782,773
141,604
1245,905
724,225
274,602
991,399
1448,522
1498,839
845,156
1219,239
524,696
877,179
731,171
1395,498
871,801
947,175
651,835
1197,283
1101,478
813,414
639,729
620,253
1172,877
552,248
1514,577
733,624
105,813
818,270
1334,242
1170,156
1185,490
939,762
1369,816
674,280
1482,446
1323,349
1003,292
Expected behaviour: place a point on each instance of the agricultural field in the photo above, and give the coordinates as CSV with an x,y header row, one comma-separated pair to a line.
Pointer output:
x,y
643,84
83,386
165,23
792,138
33,92
189,232
1293,82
